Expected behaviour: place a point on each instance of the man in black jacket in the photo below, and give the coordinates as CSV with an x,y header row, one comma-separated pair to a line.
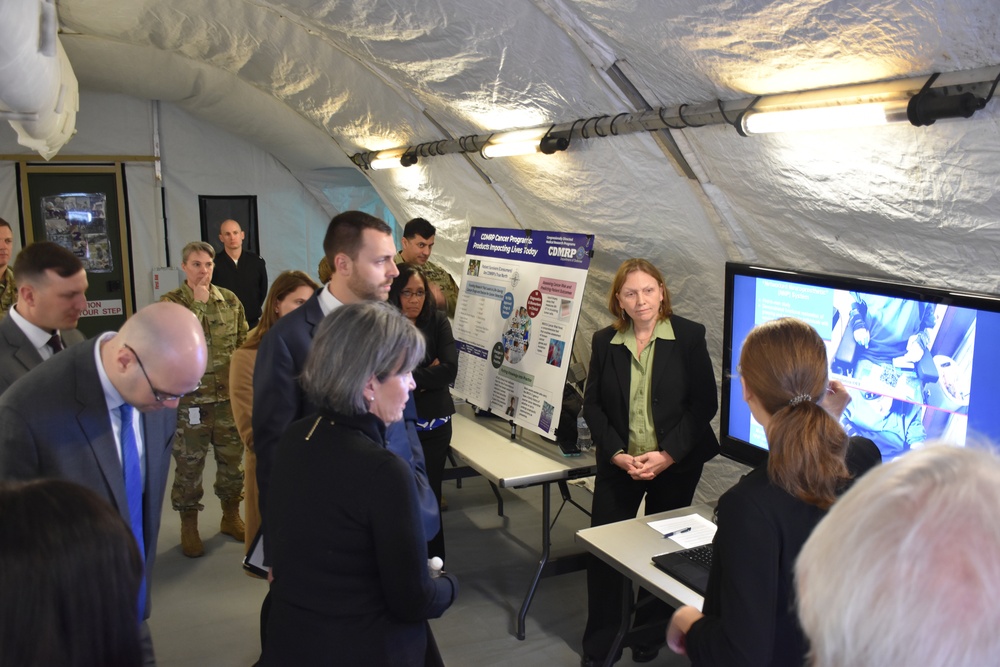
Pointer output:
x,y
241,271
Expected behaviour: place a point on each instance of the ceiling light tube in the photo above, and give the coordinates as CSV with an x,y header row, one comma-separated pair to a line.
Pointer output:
x,y
824,118
393,159
514,142
386,162
509,148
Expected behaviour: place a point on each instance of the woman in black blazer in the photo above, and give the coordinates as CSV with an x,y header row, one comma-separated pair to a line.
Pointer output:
x,y
410,292
651,395
352,584
748,617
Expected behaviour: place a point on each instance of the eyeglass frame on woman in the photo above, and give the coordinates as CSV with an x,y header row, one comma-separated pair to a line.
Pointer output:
x,y
160,397
407,294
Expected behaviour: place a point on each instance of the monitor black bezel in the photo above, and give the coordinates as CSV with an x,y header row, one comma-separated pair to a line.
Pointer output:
x,y
743,452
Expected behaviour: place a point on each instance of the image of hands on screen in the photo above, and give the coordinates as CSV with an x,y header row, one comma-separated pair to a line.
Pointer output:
x,y
892,354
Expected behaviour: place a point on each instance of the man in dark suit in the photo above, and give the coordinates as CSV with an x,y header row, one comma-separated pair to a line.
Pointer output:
x,y
240,271
67,418
359,248
51,285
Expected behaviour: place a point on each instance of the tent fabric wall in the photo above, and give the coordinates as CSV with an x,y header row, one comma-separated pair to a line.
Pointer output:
x,y
197,158
298,86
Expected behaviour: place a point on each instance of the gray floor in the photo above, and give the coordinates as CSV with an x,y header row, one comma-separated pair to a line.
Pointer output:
x,y
206,611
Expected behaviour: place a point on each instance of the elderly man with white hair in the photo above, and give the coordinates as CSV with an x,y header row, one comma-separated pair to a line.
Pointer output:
x,y
905,569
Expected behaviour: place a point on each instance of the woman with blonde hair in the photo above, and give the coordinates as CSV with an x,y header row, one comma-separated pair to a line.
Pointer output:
x,y
649,402
748,617
289,290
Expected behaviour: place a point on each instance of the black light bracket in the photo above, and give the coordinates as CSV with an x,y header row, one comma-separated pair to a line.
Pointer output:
x,y
551,143
930,105
409,158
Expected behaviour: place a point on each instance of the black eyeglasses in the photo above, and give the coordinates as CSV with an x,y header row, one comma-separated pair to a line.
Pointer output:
x,y
408,294
160,396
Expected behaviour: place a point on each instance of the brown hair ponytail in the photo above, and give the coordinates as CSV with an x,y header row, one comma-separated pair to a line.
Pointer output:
x,y
784,365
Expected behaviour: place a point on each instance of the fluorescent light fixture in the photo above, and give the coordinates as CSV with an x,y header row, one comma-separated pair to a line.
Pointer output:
x,y
824,118
386,162
515,142
920,100
525,142
508,148
394,159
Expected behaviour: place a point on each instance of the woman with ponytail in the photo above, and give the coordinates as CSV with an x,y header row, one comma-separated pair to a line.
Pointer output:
x,y
748,617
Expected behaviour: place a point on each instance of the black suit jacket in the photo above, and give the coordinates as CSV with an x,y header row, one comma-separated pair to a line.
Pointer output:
x,y
55,423
18,355
278,400
683,393
749,603
248,280
356,592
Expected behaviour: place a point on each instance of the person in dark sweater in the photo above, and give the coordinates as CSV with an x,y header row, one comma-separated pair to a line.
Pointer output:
x,y
410,292
240,271
359,591
749,617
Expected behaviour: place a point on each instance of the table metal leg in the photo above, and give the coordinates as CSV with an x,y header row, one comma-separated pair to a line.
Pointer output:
x,y
546,535
496,493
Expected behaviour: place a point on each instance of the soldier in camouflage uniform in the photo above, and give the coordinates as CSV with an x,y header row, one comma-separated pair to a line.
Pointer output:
x,y
418,242
8,288
205,417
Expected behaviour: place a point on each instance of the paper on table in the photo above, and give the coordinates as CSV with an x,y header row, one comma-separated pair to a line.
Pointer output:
x,y
702,530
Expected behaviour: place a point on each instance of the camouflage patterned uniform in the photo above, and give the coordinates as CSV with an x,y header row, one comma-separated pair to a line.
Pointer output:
x,y
225,327
8,295
439,277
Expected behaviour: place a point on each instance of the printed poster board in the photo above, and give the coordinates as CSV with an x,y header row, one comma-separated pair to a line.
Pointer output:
x,y
515,321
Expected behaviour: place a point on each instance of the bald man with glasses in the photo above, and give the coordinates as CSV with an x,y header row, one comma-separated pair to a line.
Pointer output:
x,y
96,415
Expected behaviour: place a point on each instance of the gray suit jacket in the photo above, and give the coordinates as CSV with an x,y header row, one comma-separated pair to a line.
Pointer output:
x,y
18,355
55,423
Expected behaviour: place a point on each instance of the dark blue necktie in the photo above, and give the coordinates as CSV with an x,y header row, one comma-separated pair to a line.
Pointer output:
x,y
133,490
56,343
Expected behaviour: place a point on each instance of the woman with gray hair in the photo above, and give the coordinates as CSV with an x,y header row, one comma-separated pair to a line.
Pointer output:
x,y
349,560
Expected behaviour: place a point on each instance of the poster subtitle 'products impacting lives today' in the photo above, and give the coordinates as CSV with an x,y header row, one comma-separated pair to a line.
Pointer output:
x,y
515,321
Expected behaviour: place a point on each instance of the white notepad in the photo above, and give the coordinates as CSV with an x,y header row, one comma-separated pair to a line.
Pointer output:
x,y
702,531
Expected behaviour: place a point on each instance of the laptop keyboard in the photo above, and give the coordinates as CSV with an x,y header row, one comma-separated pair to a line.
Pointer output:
x,y
701,554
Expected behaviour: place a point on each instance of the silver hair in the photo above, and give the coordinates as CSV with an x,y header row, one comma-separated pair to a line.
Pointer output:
x,y
352,344
905,568
197,246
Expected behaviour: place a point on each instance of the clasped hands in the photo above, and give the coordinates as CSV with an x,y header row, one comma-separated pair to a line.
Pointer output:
x,y
645,466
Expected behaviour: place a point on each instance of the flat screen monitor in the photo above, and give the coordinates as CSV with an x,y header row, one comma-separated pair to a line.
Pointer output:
x,y
907,354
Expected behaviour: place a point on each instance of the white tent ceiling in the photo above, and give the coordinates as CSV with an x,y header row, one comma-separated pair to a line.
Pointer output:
x,y
315,81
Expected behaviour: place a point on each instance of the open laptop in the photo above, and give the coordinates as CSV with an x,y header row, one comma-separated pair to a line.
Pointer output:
x,y
688,566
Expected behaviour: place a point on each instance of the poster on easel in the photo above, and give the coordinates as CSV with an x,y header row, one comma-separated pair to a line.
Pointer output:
x,y
515,321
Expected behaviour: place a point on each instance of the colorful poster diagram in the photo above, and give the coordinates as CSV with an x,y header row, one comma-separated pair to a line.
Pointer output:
x,y
515,321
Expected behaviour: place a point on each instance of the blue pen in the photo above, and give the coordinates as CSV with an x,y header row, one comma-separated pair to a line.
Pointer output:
x,y
676,532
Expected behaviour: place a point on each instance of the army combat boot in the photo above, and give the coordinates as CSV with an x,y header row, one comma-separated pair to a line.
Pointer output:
x,y
232,524
190,540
